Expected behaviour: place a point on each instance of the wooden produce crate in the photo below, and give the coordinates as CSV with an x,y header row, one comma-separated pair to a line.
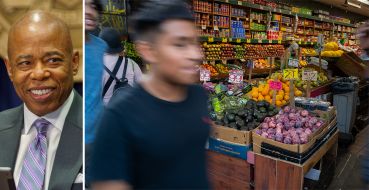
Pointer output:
x,y
226,172
275,174
352,65
297,148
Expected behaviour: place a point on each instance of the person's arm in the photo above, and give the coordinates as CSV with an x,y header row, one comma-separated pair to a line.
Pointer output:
x,y
137,71
111,185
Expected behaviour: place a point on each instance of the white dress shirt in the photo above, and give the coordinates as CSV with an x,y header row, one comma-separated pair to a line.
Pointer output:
x,y
133,73
57,119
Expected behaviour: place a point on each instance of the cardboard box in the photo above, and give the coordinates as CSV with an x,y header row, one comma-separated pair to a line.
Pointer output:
x,y
228,148
297,148
231,135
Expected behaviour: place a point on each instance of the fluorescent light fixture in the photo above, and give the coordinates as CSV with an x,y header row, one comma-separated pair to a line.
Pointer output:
x,y
364,1
353,4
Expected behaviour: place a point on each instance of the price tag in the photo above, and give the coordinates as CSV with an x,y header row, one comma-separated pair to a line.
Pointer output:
x,y
279,41
227,1
224,40
235,76
260,41
270,41
204,75
203,27
248,41
261,7
293,62
238,40
242,60
310,75
210,39
216,28
274,10
275,85
230,39
291,74
239,2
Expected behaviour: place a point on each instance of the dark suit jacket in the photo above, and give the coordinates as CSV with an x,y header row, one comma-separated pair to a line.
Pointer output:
x,y
68,158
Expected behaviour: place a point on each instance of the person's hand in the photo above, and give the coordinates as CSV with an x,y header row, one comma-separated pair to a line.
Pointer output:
x,y
363,34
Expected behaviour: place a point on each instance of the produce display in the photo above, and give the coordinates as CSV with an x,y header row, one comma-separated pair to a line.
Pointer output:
x,y
227,51
213,71
290,126
212,51
262,64
322,79
263,91
308,52
312,104
263,51
248,117
240,51
331,49
222,68
303,63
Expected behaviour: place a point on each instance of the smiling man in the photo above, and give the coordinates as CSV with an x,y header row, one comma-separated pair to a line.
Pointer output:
x,y
41,140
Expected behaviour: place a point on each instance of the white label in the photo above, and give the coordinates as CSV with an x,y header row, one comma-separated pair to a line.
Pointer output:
x,y
310,75
216,28
293,62
239,2
203,27
235,76
204,75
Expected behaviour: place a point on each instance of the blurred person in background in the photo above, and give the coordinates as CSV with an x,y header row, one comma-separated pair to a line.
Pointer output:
x,y
154,136
116,63
363,34
41,140
94,54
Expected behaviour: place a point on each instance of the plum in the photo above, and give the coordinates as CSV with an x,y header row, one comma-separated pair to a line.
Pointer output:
x,y
279,137
264,126
308,131
287,109
264,134
287,140
271,131
304,113
293,110
313,120
271,136
299,130
264,130
278,130
319,123
272,124
258,131
267,119
292,116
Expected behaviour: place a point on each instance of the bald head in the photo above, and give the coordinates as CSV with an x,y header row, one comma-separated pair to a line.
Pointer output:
x,y
37,24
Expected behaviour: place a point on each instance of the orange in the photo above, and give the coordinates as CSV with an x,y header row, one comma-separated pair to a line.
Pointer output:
x,y
261,98
267,98
279,97
284,102
298,93
271,93
286,89
255,94
286,97
281,92
278,103
265,92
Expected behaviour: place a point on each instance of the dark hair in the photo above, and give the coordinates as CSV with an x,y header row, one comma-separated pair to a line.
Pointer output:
x,y
98,5
153,13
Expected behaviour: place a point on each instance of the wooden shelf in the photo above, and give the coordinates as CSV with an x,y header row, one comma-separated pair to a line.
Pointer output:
x,y
202,12
220,14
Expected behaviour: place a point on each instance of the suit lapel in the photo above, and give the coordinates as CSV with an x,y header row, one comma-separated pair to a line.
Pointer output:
x,y
68,157
10,133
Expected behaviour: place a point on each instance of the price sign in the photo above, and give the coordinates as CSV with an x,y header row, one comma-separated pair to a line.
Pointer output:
x,y
210,39
279,41
239,2
203,27
291,74
270,41
293,62
275,85
260,41
310,75
238,40
235,76
230,40
261,7
224,40
204,75
216,28
248,41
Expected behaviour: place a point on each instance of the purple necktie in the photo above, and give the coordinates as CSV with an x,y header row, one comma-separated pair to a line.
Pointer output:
x,y
34,165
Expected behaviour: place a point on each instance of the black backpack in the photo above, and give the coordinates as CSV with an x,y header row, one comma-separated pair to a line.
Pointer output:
x,y
120,84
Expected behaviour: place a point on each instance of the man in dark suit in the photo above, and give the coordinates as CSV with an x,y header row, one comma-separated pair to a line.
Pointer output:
x,y
41,140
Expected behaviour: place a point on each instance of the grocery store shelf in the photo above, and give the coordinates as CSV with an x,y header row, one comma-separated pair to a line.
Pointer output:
x,y
282,11
202,12
220,14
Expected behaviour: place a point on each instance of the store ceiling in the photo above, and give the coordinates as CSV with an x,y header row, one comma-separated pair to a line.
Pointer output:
x,y
364,10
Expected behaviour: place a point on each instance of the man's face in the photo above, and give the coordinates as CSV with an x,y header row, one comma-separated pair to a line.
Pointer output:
x,y
41,67
91,15
176,52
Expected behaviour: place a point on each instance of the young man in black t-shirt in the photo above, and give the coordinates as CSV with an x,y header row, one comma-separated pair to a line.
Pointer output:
x,y
154,135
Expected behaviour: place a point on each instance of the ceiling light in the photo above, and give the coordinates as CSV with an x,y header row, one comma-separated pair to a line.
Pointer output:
x,y
364,1
353,4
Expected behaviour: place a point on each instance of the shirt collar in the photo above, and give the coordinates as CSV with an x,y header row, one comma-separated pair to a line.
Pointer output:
x,y
56,118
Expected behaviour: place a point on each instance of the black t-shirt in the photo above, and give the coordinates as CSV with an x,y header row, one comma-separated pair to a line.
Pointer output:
x,y
152,143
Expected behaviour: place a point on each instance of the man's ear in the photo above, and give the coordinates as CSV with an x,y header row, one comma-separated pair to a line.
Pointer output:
x,y
146,51
75,62
8,68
